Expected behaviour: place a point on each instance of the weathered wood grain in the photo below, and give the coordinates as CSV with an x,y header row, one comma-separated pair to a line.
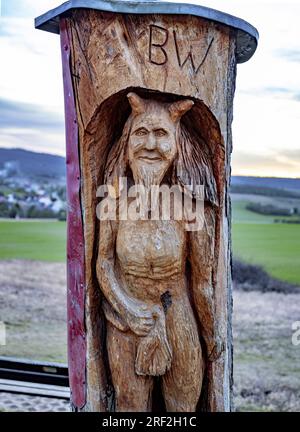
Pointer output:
x,y
161,58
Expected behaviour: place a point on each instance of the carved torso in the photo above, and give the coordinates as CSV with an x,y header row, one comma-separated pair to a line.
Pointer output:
x,y
151,257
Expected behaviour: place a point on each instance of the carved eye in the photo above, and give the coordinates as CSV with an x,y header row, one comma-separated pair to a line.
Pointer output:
x,y
160,132
141,132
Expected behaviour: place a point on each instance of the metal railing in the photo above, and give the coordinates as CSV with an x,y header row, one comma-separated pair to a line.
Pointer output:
x,y
34,378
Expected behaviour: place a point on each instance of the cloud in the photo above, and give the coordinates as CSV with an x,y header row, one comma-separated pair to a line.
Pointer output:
x,y
276,164
14,8
31,127
280,92
290,55
20,115
271,91
266,108
248,159
292,155
31,101
34,141
26,8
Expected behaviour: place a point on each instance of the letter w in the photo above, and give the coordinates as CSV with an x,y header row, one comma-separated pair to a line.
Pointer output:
x,y
190,55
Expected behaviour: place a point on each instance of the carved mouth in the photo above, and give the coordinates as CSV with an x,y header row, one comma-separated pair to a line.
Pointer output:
x,y
150,159
149,156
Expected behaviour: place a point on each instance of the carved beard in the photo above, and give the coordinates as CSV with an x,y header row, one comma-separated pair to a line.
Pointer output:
x,y
148,175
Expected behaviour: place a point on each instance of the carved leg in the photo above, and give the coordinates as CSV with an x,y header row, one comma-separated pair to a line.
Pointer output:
x,y
132,392
182,384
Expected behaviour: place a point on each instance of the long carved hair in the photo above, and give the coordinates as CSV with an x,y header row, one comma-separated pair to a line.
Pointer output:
x,y
191,167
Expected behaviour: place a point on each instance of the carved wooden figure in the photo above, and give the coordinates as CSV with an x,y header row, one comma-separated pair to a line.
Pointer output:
x,y
148,94
152,306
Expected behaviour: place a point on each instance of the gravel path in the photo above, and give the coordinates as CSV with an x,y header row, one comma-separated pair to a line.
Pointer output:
x,y
22,403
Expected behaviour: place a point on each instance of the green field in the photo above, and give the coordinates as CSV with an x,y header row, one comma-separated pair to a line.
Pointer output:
x,y
276,247
33,240
241,215
256,239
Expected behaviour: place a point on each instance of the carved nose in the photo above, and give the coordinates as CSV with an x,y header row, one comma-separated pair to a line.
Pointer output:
x,y
151,142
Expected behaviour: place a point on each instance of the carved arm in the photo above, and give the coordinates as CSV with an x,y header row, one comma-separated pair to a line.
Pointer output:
x,y
136,314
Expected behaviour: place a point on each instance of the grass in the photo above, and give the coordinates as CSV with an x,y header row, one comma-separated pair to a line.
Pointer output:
x,y
28,341
242,215
33,240
276,247
256,239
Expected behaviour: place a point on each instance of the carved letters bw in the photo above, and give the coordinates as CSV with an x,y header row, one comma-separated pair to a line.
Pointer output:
x,y
158,39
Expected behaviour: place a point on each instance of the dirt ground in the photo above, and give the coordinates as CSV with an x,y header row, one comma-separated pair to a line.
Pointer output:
x,y
266,363
33,308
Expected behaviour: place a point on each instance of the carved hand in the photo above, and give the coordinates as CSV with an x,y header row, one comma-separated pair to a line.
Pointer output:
x,y
140,318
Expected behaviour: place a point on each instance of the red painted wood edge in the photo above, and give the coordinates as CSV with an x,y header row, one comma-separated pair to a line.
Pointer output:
x,y
75,237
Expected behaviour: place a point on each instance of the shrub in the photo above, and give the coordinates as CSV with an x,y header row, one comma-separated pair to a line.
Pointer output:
x,y
248,277
268,209
38,213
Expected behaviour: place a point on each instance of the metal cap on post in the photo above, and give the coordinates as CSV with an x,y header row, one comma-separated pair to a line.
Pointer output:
x,y
247,35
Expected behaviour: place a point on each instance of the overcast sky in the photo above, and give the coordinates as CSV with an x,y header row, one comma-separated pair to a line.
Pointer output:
x,y
266,128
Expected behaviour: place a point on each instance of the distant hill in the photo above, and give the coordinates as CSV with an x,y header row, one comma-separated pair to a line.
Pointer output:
x,y
34,165
267,182
44,165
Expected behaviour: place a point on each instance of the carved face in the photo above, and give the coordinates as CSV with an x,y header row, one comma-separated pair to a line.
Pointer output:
x,y
152,144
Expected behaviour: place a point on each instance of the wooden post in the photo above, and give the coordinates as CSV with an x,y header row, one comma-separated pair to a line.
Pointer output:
x,y
158,61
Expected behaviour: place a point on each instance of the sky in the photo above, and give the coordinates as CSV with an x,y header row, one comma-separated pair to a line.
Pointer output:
x,y
266,126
